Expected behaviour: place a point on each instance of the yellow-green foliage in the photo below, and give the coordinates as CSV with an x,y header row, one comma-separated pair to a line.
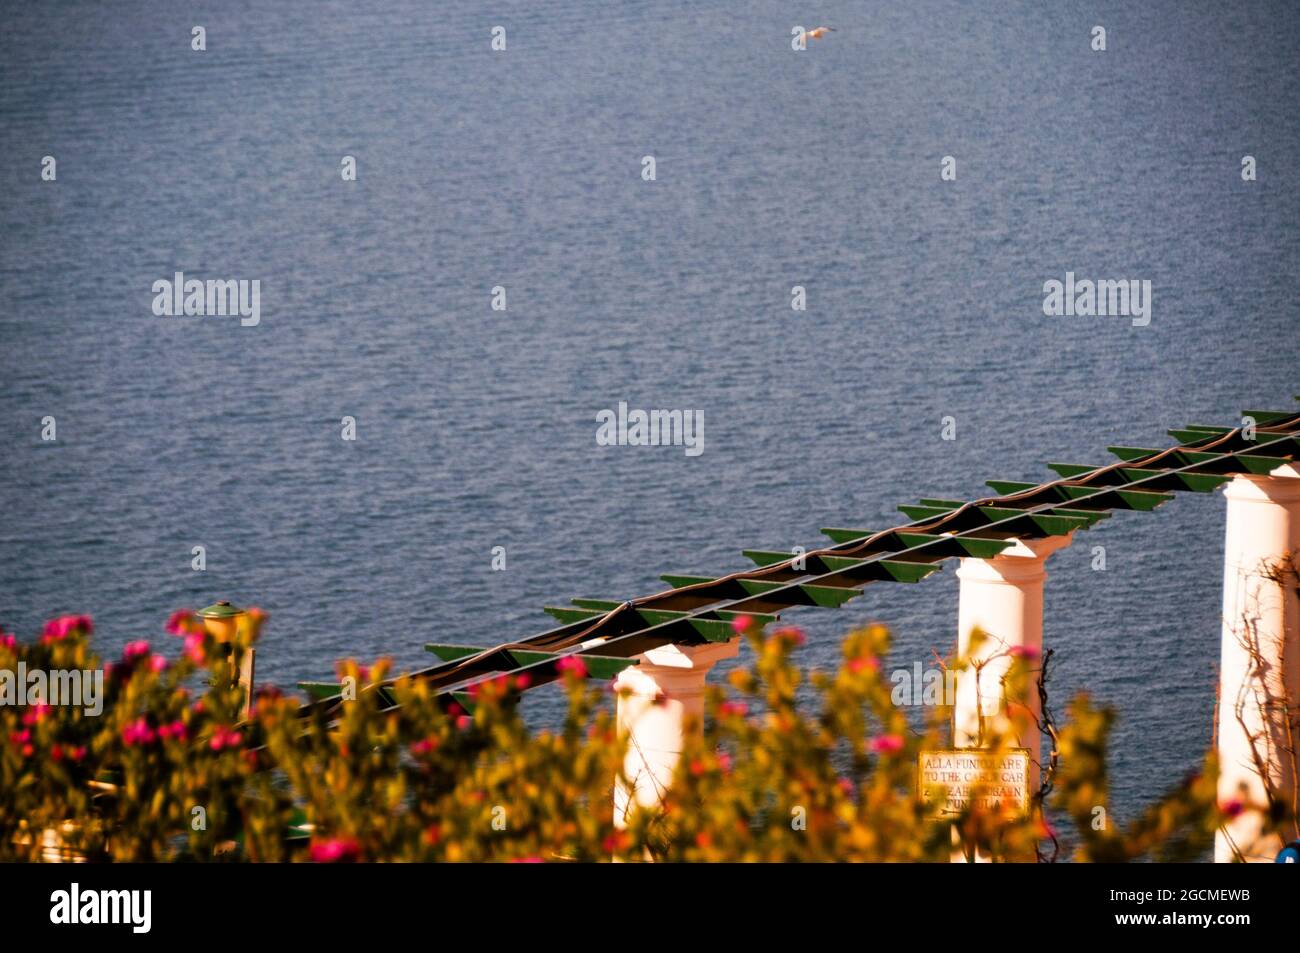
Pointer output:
x,y
169,771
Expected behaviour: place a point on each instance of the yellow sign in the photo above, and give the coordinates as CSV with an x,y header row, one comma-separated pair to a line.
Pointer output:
x,y
949,779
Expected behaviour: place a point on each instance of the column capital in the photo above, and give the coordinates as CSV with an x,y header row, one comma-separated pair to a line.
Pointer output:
x,y
674,668
1282,487
1019,563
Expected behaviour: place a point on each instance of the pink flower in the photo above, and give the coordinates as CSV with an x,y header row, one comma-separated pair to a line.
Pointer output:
x,y
8,641
158,663
78,753
35,713
223,737
733,709
615,842
20,737
724,762
887,744
423,746
859,665
463,722
338,850
66,625
175,730
523,681
740,624
135,650
792,634
572,664
180,622
137,732
194,648
1232,808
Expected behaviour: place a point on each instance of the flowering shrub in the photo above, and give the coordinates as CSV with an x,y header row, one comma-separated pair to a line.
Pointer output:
x,y
170,771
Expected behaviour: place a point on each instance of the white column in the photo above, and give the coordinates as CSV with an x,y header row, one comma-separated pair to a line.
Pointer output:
x,y
1003,598
660,700
1259,671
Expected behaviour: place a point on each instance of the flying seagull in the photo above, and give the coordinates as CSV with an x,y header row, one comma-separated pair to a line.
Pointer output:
x,y
820,32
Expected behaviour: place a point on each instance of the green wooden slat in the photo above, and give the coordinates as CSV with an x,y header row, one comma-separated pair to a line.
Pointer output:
x,y
1268,416
947,504
762,618
983,548
1088,517
465,700
999,513
1058,522
1072,470
1260,466
598,666
764,557
1007,487
568,614
660,616
842,535
970,546
523,657
605,666
839,563
1196,483
826,596
900,571
319,690
450,653
920,512
1202,482
605,605
1187,457
680,582
756,587
1132,453
1195,434
830,597
1143,500
714,630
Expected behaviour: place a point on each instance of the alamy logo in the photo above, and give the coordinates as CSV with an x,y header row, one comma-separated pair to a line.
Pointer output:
x,y
74,687
190,296
134,907
656,428
1105,297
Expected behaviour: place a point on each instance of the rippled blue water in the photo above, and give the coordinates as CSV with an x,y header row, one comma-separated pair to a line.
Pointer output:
x,y
522,169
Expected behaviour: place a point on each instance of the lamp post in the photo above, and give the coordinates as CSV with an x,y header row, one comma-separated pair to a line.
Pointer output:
x,y
222,620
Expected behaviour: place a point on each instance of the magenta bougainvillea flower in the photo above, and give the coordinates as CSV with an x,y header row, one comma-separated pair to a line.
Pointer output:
x,y
887,744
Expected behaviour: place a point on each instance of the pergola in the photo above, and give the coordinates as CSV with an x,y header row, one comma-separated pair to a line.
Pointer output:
x,y
662,645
